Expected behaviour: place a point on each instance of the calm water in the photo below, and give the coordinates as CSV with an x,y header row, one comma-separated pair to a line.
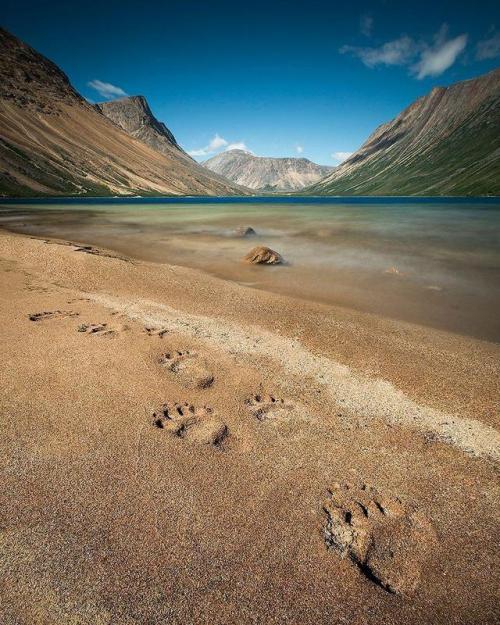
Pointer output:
x,y
434,262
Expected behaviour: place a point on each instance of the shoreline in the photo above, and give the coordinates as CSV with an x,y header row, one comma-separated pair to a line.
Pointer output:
x,y
250,198
434,284
406,409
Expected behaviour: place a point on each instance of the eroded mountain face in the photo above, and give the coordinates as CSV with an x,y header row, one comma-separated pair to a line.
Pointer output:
x,y
31,81
266,174
53,142
445,143
135,117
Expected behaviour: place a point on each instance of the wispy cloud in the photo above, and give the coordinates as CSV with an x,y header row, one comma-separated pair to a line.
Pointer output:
x,y
238,145
106,89
422,58
366,24
398,52
488,48
299,148
436,59
340,157
216,144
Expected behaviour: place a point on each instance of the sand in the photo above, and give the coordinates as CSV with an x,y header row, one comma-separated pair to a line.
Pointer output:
x,y
176,448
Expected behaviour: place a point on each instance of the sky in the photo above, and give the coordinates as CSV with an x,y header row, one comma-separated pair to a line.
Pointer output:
x,y
310,79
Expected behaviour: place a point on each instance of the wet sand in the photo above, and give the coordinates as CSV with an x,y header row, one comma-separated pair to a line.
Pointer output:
x,y
180,448
431,263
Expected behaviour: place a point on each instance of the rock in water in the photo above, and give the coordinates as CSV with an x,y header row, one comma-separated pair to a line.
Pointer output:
x,y
245,231
261,255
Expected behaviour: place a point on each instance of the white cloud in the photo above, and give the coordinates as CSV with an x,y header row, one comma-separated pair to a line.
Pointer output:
x,y
239,145
200,152
421,58
436,59
488,48
366,24
106,89
397,52
299,149
340,157
215,144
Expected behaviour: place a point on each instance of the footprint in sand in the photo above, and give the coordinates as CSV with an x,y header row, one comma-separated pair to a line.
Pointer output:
x,y
188,368
160,332
101,329
266,406
37,289
186,421
52,314
388,543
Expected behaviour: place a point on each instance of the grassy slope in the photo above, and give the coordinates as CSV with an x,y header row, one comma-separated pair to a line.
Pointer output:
x,y
464,163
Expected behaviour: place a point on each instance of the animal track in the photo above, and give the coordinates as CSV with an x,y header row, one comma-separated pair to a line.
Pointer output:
x,y
174,359
198,424
52,314
37,288
102,329
190,371
388,543
160,332
265,406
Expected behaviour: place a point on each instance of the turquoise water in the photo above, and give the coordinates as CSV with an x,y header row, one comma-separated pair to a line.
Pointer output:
x,y
430,261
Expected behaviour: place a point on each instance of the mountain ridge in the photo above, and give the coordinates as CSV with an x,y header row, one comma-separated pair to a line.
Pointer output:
x,y
265,173
54,142
444,143
134,116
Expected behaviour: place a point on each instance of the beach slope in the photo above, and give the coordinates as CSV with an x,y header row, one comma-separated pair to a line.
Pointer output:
x,y
178,448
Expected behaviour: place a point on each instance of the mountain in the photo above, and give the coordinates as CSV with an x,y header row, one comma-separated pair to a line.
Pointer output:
x,y
134,116
266,174
53,142
445,143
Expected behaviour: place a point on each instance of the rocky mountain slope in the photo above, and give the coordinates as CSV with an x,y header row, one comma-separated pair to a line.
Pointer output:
x,y
445,143
266,174
53,142
134,116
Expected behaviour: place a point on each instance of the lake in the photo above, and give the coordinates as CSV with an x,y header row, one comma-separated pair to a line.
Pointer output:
x,y
429,261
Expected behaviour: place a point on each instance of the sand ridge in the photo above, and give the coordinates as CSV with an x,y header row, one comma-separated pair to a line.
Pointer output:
x,y
351,391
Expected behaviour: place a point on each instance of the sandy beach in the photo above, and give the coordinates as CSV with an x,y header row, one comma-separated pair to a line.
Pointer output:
x,y
177,448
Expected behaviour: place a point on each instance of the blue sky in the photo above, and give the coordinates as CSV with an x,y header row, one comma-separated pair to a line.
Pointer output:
x,y
311,78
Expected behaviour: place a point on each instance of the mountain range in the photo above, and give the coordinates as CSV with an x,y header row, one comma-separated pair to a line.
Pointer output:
x,y
266,174
445,143
54,142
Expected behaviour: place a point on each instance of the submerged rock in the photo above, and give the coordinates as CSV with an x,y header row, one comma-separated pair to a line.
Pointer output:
x,y
245,231
261,255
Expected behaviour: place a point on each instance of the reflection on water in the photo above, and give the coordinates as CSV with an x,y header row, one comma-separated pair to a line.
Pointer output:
x,y
430,262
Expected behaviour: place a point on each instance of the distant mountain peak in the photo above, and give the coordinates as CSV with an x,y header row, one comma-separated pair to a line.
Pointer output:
x,y
266,173
54,142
